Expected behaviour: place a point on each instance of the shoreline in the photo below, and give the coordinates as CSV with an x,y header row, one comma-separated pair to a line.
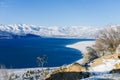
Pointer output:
x,y
81,46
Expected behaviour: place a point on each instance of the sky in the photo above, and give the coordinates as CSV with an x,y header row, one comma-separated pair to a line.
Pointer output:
x,y
60,12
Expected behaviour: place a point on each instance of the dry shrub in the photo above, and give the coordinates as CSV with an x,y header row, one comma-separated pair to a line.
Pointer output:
x,y
90,55
106,43
107,40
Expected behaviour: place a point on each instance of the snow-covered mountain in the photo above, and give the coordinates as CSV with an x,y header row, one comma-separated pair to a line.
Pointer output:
x,y
8,31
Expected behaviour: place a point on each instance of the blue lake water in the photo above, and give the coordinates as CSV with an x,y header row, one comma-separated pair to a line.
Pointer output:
x,y
23,53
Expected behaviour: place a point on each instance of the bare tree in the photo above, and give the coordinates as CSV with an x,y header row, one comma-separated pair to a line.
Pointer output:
x,y
42,60
4,73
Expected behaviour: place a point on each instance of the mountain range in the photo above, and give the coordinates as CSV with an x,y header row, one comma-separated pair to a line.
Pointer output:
x,y
26,30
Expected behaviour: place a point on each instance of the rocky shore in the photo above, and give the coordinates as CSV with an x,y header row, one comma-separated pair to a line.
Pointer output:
x,y
105,65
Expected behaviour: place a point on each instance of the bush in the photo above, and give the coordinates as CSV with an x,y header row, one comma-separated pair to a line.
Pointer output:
x,y
89,56
107,40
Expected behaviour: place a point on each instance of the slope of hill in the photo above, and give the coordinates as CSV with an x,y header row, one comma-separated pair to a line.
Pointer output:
x,y
62,32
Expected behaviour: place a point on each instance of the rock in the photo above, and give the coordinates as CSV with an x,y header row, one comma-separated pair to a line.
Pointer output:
x,y
75,68
116,68
115,71
117,65
72,72
105,63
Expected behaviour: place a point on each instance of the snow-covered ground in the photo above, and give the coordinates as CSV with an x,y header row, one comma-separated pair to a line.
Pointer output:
x,y
26,73
101,71
81,46
113,76
106,65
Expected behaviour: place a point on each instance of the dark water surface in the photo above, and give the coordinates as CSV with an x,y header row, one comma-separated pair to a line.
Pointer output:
x,y
23,53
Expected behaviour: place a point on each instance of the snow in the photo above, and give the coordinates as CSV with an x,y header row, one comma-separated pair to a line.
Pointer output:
x,y
113,76
108,65
64,32
81,46
54,31
101,70
23,70
6,73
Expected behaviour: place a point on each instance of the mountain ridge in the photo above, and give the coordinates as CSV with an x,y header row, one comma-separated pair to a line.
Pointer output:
x,y
43,31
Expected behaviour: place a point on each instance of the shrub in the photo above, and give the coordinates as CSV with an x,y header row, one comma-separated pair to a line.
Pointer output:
x,y
89,56
107,40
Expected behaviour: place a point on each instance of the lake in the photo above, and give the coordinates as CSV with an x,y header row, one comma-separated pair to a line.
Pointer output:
x,y
23,52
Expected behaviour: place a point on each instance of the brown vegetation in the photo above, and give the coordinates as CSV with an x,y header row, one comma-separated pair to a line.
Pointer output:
x,y
89,55
108,40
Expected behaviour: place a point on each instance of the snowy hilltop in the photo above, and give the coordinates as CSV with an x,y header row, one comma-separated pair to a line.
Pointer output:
x,y
18,30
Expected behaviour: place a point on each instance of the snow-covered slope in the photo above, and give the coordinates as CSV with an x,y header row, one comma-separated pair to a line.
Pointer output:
x,y
105,63
63,32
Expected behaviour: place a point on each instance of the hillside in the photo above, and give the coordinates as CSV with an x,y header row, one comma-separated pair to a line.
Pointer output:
x,y
9,31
